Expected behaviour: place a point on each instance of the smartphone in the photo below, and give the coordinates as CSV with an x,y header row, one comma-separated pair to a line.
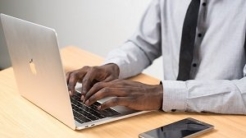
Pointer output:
x,y
186,128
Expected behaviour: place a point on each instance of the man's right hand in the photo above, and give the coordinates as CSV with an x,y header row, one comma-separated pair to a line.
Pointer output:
x,y
88,76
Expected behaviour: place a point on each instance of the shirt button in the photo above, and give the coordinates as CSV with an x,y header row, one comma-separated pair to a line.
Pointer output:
x,y
194,65
173,110
199,35
204,4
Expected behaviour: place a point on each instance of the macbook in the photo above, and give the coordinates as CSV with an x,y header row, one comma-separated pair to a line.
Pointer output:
x,y
40,77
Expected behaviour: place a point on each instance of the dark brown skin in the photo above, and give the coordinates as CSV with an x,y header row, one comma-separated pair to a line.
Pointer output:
x,y
102,81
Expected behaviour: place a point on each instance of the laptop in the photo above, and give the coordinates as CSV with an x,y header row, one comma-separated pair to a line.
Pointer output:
x,y
40,77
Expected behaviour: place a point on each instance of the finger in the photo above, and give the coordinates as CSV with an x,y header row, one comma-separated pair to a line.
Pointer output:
x,y
73,79
88,80
117,101
67,81
67,76
95,88
109,78
120,83
106,92
127,83
72,82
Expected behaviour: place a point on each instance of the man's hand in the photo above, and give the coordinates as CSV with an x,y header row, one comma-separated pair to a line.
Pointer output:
x,y
88,76
134,95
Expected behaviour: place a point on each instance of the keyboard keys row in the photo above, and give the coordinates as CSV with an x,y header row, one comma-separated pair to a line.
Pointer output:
x,y
84,113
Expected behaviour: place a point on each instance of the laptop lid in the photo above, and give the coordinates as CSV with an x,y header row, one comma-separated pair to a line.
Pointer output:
x,y
37,66
4,54
39,72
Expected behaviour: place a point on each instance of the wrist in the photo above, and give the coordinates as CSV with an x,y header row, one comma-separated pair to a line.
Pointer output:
x,y
114,68
160,85
158,89
160,92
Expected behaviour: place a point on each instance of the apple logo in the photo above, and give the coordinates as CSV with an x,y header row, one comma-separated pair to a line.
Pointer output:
x,y
32,67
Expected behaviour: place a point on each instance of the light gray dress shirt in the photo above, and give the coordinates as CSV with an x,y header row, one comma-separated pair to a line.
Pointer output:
x,y
218,84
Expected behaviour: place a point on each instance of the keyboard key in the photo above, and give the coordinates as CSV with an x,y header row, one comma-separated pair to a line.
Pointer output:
x,y
80,117
84,113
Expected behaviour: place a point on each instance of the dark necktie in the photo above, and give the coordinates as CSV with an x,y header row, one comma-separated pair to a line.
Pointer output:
x,y
188,40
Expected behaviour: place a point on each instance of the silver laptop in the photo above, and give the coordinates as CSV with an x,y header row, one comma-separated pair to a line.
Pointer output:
x,y
40,76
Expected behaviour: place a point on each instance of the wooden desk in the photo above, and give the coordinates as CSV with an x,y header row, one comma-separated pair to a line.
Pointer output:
x,y
20,118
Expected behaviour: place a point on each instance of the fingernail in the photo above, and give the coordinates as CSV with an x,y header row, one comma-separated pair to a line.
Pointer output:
x,y
87,102
83,92
70,93
99,107
82,98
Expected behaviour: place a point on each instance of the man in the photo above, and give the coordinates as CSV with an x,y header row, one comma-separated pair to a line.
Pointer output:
x,y
216,71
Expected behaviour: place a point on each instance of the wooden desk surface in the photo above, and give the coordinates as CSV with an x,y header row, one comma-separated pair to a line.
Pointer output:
x,y
20,118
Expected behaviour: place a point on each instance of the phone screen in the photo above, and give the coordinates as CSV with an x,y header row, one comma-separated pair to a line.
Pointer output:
x,y
183,128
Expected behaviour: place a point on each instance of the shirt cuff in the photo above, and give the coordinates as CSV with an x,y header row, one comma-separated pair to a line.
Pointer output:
x,y
174,96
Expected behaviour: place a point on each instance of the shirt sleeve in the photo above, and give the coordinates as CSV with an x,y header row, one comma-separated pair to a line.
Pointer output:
x,y
142,48
216,96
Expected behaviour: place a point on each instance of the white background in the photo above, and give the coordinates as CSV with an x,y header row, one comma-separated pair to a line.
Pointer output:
x,y
94,25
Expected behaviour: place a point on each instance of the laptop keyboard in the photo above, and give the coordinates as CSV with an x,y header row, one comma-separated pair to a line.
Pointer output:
x,y
83,113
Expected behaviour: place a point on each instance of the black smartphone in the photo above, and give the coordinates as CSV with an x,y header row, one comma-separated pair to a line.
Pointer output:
x,y
186,128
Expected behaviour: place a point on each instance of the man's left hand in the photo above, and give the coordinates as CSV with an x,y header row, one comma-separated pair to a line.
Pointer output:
x,y
134,95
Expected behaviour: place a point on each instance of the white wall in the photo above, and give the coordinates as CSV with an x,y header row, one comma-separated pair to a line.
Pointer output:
x,y
94,25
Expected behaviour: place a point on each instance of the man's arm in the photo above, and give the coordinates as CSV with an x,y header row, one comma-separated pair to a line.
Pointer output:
x,y
217,96
131,58
143,47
